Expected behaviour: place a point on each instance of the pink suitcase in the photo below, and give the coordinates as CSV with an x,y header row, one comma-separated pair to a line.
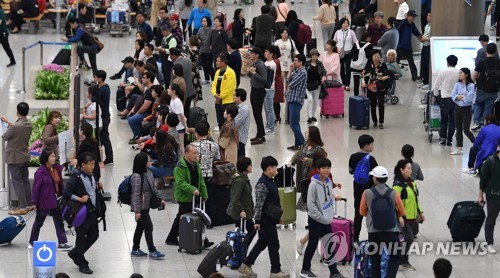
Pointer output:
x,y
333,104
345,226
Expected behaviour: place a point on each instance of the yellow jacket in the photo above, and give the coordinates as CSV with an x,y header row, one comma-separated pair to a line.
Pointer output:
x,y
227,87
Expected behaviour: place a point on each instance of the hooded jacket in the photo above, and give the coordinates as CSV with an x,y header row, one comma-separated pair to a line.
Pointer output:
x,y
320,200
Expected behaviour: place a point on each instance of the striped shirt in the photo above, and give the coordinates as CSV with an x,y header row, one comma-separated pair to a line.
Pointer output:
x,y
297,85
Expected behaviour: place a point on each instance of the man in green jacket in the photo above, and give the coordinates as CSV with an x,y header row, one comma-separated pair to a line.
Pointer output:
x,y
188,182
490,184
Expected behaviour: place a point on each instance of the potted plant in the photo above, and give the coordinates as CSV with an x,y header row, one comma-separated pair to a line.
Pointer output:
x,y
52,83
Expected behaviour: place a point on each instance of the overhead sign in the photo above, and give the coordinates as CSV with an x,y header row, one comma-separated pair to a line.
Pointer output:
x,y
44,253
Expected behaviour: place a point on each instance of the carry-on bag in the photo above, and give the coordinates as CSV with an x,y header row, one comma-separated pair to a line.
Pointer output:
x,y
359,112
10,227
191,230
222,198
466,220
215,259
362,264
333,103
345,226
288,201
238,240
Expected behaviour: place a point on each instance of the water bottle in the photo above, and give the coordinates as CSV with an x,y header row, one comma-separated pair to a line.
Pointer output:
x,y
217,266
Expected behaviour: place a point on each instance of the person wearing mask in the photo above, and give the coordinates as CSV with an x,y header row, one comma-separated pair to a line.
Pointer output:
x,y
223,87
407,29
217,39
281,11
316,75
242,120
484,145
143,189
258,80
463,95
264,28
196,16
143,26
305,153
367,47
177,58
443,85
234,59
47,187
390,38
408,191
50,139
186,8
380,231
326,16
228,138
378,28
4,37
238,30
88,44
267,212
269,100
345,38
206,53
297,84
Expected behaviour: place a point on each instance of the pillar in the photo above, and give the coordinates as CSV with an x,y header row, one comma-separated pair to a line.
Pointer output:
x,y
457,18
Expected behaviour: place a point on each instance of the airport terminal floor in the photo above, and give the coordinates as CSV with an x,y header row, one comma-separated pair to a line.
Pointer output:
x,y
444,183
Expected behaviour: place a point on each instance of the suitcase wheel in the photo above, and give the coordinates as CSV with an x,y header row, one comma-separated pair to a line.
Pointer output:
x,y
342,115
386,98
394,100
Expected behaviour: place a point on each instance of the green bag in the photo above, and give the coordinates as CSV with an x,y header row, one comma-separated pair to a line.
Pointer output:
x,y
288,201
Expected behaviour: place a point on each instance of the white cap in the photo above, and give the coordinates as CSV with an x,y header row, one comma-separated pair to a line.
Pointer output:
x,y
379,172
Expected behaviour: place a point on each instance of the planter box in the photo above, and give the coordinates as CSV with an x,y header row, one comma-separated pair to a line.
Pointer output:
x,y
39,105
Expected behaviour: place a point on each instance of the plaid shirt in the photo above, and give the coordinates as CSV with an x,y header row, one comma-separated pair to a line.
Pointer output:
x,y
297,85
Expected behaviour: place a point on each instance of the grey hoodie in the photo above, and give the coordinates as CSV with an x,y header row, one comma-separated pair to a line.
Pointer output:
x,y
320,200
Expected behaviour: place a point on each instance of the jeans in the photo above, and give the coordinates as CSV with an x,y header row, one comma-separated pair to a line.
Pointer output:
x,y
257,97
327,33
409,237
105,141
135,123
463,117
447,128
132,101
241,149
269,105
358,218
377,99
493,208
6,46
144,225
206,63
376,259
425,61
483,106
91,50
294,110
20,182
160,172
312,102
268,238
209,204
316,232
408,54
345,69
58,224
86,235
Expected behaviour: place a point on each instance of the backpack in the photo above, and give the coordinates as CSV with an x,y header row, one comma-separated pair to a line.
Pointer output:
x,y
383,211
490,79
270,77
359,58
125,190
101,213
196,115
304,35
362,170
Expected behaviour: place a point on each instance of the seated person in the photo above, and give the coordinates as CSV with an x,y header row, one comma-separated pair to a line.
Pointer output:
x,y
105,4
166,150
146,141
20,10
392,65
162,101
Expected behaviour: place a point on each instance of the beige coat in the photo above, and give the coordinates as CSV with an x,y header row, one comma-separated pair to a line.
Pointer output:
x,y
155,8
50,138
18,137
228,142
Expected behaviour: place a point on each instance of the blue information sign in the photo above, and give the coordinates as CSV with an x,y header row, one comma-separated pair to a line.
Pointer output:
x,y
44,253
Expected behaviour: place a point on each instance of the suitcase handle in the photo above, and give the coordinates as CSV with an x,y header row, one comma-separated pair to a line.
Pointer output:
x,y
345,206
194,201
243,224
285,167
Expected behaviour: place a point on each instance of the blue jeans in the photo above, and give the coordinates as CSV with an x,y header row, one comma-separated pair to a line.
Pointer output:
x,y
135,123
160,172
294,113
483,105
269,104
447,119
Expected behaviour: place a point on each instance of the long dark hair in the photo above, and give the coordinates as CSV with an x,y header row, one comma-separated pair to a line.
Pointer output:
x,y
237,14
171,145
178,91
468,79
141,47
397,169
88,131
161,139
291,17
314,137
140,163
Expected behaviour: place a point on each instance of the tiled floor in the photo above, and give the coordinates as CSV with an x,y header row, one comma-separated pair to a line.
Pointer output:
x,y
443,186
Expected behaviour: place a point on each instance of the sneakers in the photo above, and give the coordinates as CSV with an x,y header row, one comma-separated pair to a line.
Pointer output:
x,y
258,141
206,82
473,171
115,76
281,275
307,273
269,132
445,143
134,147
408,266
247,271
216,129
475,127
156,255
300,251
108,162
11,64
30,246
457,152
309,121
64,247
138,253
337,275
491,249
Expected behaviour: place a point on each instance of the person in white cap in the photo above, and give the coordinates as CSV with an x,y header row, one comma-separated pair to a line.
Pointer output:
x,y
379,205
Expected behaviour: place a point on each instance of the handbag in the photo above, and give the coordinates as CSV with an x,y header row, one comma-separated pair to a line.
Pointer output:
x,y
74,213
273,211
332,83
155,201
372,87
323,93
222,172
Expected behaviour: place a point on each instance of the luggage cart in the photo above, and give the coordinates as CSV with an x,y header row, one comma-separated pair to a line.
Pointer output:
x,y
432,111
118,19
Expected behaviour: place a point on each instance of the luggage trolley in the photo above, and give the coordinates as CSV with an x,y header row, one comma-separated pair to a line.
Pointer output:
x,y
118,18
432,114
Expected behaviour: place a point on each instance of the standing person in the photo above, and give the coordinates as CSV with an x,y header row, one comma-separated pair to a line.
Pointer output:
x,y
345,38
188,182
177,58
331,60
242,119
82,188
297,84
403,10
407,151
143,26
267,213
425,55
484,40
17,156
48,186
269,100
390,38
281,14
176,30
176,95
406,29
365,143
258,79
206,53
292,23
194,55
381,231
196,16
50,138
408,191
89,115
463,95
487,91
279,86
163,22
178,78
304,154
234,60
143,189
288,50
88,44
88,144
223,87
218,39
238,30
442,268
320,212
444,84
4,37
484,145
489,184
378,28
168,41
316,75
264,28
327,17
228,138
368,47
186,8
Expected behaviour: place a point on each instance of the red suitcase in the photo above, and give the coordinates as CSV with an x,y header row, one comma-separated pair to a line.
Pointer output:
x,y
333,104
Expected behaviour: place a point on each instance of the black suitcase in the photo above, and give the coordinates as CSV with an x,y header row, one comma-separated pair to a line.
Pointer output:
x,y
466,220
222,198
63,58
221,253
121,100
359,112
191,230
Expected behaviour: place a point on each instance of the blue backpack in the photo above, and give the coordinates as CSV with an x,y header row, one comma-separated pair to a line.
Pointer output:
x,y
362,170
125,190
383,211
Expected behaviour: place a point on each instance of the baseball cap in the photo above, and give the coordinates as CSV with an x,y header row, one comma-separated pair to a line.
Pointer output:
x,y
174,17
128,60
256,50
379,172
412,13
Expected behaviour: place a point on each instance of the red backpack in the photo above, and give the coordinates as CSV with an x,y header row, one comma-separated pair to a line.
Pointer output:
x,y
304,35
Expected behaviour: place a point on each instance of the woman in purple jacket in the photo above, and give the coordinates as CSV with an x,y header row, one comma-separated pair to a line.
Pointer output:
x,y
47,187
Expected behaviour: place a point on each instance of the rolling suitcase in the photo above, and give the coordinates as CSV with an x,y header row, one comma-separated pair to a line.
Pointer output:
x,y
288,201
10,227
359,112
333,104
284,177
466,220
345,226
362,264
191,230
239,242
215,259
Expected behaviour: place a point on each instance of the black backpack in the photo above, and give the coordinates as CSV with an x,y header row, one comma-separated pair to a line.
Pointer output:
x,y
383,210
490,78
196,115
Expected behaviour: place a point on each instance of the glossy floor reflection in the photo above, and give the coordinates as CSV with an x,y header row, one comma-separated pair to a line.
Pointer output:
x,y
444,183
